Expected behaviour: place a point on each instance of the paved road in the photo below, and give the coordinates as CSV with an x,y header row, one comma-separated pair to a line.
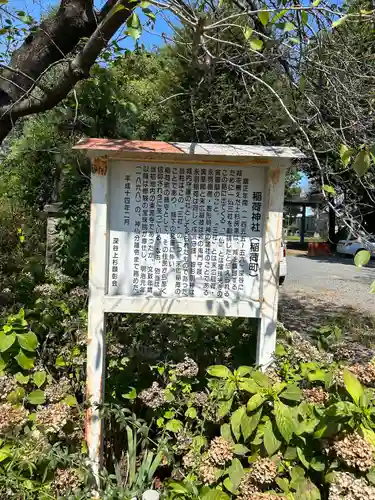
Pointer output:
x,y
328,284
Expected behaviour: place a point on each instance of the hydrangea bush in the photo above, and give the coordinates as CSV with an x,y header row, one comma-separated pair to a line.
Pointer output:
x,y
304,429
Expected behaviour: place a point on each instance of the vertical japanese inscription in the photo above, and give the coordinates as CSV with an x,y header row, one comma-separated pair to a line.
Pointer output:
x,y
192,231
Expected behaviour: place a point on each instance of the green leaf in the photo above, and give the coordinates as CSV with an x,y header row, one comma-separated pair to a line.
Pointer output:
x,y
353,386
329,189
28,341
16,396
60,361
248,385
215,495
132,107
224,407
24,361
294,40
219,371
264,17
250,423
5,452
229,486
6,341
283,484
284,420
191,412
133,21
131,395
318,463
280,350
292,393
362,258
372,290
339,22
240,449
362,163
235,421
2,364
262,379
370,475
177,488
302,457
304,17
316,3
307,491
235,472
288,26
174,425
199,442
226,433
37,397
297,475
278,16
345,154
39,378
270,441
70,400
290,453
244,370
22,379
247,32
134,33
254,402
169,414
256,44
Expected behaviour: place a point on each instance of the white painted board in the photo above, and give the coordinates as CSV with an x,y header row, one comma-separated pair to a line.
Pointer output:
x,y
185,232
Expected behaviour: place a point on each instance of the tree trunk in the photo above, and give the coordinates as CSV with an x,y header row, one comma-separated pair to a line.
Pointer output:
x,y
56,39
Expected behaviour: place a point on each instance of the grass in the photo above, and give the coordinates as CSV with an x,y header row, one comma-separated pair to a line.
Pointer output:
x,y
307,238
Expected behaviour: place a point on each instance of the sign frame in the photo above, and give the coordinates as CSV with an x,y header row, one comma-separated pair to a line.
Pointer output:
x,y
102,152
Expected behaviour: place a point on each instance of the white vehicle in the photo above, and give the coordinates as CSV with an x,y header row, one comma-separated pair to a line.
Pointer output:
x,y
353,245
282,267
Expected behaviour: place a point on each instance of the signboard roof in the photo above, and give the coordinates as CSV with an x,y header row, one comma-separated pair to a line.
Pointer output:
x,y
185,150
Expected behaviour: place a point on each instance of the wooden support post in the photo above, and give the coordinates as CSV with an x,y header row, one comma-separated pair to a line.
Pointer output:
x,y
272,234
303,225
96,315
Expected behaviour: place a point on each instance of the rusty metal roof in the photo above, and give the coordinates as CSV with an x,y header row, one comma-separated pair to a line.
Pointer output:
x,y
141,148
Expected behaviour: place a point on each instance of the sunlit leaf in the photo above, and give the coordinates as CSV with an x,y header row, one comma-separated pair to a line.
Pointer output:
x,y
362,258
16,396
6,341
270,441
28,341
288,26
174,425
345,154
37,397
304,17
339,22
278,16
362,163
353,386
329,189
264,17
219,371
256,44
39,378
134,33
22,379
24,361
247,32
